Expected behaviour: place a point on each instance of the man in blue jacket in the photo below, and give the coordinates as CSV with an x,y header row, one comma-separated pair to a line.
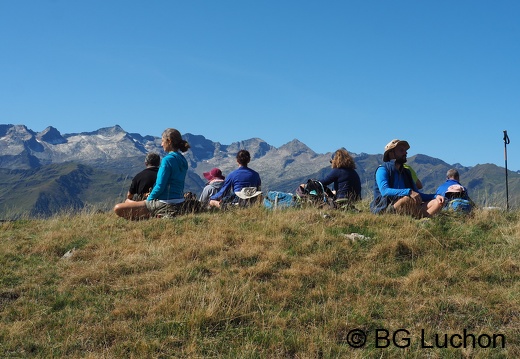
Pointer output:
x,y
396,191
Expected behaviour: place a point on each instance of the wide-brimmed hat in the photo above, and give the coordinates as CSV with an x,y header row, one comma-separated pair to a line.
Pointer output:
x,y
391,145
455,188
248,192
215,173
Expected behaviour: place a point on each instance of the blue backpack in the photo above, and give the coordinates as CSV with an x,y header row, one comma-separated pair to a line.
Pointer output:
x,y
275,199
459,205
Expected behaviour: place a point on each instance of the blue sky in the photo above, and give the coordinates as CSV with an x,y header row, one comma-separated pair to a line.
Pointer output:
x,y
443,75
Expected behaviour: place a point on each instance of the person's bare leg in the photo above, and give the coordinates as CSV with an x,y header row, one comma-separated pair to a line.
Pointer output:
x,y
408,206
132,210
432,207
214,203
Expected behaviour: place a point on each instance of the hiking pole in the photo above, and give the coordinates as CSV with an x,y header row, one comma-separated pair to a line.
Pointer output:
x,y
506,142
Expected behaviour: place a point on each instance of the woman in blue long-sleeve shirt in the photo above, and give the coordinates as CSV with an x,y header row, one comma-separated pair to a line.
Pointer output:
x,y
168,191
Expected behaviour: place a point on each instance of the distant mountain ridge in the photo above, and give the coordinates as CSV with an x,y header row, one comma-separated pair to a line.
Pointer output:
x,y
111,151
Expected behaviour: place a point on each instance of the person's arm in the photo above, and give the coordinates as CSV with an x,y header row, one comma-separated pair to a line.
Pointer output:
x,y
382,180
206,193
259,187
425,197
416,194
331,177
133,188
223,190
441,189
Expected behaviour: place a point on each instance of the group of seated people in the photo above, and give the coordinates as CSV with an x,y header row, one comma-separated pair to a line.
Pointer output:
x,y
159,189
397,191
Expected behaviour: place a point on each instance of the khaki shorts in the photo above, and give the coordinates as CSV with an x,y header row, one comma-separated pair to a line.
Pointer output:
x,y
159,209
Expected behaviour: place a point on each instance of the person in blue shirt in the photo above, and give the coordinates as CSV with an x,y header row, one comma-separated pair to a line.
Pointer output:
x,y
457,197
241,178
452,179
168,192
396,191
347,184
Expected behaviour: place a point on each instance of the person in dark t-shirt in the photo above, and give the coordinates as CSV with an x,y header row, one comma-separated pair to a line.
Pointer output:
x,y
143,182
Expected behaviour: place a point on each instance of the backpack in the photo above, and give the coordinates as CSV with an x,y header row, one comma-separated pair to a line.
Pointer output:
x,y
191,204
280,200
247,197
459,205
313,192
458,199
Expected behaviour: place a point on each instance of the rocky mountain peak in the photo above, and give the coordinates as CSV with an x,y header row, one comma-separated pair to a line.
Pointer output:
x,y
16,133
110,131
51,135
256,147
201,148
296,147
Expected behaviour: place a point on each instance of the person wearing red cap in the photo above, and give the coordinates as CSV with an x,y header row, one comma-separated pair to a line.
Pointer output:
x,y
215,181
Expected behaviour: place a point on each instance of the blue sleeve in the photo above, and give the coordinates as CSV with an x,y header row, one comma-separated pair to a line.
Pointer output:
x,y
427,197
331,177
382,180
259,181
443,188
228,182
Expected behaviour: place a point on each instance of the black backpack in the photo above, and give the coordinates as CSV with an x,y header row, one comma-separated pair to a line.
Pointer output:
x,y
315,193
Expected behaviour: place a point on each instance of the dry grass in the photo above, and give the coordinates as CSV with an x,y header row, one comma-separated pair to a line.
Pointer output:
x,y
259,284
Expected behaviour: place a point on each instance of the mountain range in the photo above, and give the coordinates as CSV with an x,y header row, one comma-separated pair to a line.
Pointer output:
x,y
42,173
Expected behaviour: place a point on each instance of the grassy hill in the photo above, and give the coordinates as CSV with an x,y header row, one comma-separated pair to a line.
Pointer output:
x,y
55,188
252,283
51,189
